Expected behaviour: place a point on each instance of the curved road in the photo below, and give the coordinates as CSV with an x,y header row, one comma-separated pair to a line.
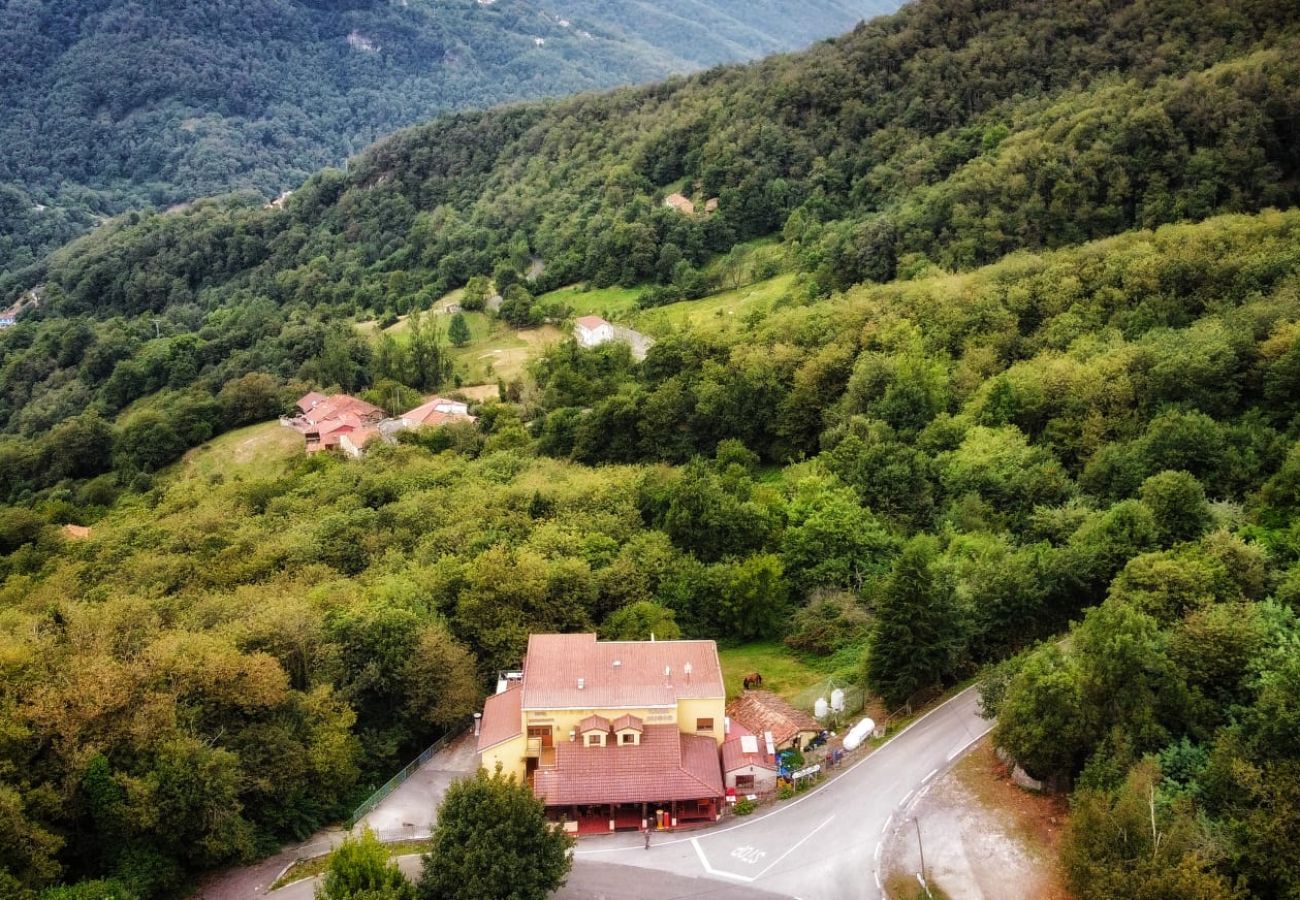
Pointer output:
x,y
825,845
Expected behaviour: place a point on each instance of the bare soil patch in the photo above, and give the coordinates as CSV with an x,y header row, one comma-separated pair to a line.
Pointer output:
x,y
984,837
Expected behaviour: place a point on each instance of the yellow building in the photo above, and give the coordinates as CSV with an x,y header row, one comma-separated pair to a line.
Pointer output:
x,y
612,735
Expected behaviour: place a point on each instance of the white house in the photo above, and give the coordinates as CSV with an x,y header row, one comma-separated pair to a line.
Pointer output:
x,y
592,331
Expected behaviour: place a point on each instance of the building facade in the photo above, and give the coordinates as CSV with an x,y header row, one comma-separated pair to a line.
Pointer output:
x,y
612,735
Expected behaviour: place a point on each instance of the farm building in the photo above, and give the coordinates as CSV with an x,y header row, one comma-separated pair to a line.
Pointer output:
x,y
762,711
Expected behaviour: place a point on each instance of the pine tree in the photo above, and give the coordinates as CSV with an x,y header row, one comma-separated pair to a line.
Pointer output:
x,y
458,330
918,636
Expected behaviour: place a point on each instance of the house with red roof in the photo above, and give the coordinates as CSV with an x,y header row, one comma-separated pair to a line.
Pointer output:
x,y
309,401
437,411
323,421
612,735
763,712
748,768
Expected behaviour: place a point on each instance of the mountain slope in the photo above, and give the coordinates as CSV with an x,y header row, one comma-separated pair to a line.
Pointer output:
x,y
114,103
990,332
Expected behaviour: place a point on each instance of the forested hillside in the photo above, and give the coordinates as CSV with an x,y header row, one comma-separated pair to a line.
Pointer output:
x,y
115,104
986,363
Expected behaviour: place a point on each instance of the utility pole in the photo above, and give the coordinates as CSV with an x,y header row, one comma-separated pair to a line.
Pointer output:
x,y
921,847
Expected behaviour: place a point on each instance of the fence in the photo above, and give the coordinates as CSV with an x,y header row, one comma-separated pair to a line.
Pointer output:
x,y
407,771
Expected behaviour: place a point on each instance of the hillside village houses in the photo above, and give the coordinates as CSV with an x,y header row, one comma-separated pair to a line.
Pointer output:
x,y
345,423
621,735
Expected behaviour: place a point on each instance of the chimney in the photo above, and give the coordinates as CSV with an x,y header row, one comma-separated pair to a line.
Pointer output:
x,y
478,722
617,663
582,683
687,669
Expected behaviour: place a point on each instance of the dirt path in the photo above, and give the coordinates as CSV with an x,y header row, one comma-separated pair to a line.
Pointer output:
x,y
984,838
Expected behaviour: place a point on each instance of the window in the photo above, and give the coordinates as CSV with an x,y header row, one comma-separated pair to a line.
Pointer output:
x,y
627,737
703,724
744,783
595,739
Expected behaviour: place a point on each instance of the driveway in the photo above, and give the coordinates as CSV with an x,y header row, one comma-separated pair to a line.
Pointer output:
x,y
408,812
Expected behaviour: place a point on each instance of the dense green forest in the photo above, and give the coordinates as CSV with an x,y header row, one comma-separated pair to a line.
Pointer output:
x,y
1027,403
117,104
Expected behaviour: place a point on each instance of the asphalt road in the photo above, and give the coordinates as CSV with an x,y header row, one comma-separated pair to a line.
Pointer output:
x,y
597,881
825,845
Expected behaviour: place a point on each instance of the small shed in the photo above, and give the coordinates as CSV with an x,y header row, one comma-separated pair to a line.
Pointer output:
x,y
747,768
763,711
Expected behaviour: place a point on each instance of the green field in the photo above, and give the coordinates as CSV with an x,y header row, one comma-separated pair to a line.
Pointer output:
x,y
258,451
497,351
716,312
795,676
609,303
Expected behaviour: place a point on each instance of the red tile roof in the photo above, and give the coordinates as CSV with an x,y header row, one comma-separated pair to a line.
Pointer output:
x,y
628,723
307,402
593,723
664,766
361,436
341,404
761,711
733,751
345,422
502,719
591,323
648,673
430,413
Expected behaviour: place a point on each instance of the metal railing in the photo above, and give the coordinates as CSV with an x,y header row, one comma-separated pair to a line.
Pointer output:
x,y
407,771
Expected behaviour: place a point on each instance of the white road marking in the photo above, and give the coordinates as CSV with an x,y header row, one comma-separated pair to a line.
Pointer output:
x,y
879,847
753,820
933,772
748,854
888,822
905,796
751,855
878,886
794,848
964,747
704,861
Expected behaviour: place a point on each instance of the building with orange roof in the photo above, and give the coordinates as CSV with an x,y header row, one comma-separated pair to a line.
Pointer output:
x,y
612,735
762,712
437,411
323,421
747,766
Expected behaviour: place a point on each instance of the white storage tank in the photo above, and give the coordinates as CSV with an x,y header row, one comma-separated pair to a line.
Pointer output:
x,y
837,700
859,733
820,709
